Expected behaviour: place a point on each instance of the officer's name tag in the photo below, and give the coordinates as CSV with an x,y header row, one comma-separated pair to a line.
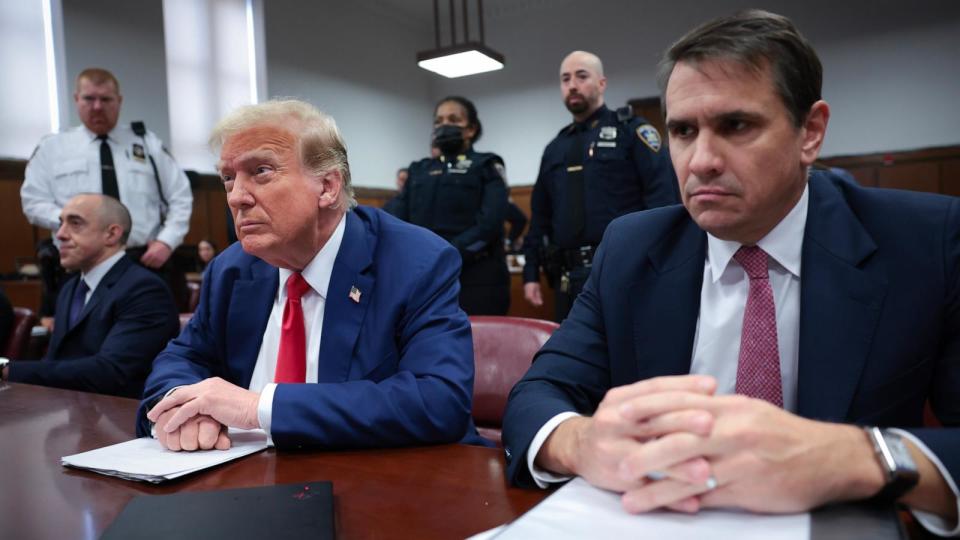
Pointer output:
x,y
458,171
607,144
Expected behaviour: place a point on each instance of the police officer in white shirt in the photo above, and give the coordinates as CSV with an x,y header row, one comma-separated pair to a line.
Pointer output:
x,y
127,162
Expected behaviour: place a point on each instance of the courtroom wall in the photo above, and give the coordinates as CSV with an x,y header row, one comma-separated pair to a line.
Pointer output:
x,y
126,38
891,71
356,63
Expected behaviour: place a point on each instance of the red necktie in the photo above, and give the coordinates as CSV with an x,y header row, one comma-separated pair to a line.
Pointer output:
x,y
758,370
292,358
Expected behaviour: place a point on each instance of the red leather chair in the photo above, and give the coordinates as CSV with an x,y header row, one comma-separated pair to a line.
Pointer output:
x,y
503,348
19,339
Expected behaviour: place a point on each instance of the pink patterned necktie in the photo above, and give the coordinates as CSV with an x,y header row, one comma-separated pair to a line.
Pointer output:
x,y
758,370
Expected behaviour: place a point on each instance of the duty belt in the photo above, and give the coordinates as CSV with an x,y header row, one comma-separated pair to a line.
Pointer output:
x,y
577,257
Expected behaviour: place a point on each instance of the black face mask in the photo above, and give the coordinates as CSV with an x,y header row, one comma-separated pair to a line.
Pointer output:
x,y
448,138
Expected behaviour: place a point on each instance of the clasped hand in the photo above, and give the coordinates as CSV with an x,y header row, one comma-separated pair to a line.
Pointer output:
x,y
196,417
670,443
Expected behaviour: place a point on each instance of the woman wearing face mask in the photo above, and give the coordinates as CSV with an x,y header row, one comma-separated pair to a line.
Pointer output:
x,y
461,195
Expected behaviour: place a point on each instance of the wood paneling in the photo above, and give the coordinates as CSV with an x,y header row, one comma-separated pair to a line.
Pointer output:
x,y
376,197
950,177
23,293
19,239
912,176
933,170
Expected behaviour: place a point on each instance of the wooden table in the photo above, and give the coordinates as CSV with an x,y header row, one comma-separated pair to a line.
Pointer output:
x,y
449,491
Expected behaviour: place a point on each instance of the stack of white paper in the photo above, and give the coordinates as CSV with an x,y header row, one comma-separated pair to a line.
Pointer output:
x,y
145,460
579,510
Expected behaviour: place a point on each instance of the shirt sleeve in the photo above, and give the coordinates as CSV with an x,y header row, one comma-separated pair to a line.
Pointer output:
x,y
36,193
932,522
265,407
176,190
542,477
541,215
651,159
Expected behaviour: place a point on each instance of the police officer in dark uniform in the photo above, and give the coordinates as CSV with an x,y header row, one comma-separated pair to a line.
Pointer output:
x,y
603,165
462,196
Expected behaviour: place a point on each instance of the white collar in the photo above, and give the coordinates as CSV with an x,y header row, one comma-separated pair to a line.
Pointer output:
x,y
783,244
96,274
318,271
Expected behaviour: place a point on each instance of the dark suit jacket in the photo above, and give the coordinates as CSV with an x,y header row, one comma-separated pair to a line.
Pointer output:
x,y
395,368
129,319
879,316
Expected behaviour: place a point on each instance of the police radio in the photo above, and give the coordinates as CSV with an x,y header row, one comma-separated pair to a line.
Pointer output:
x,y
140,130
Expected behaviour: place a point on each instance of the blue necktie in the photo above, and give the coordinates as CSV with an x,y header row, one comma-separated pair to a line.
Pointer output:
x,y
79,298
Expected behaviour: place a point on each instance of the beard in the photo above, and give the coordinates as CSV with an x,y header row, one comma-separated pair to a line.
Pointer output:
x,y
576,107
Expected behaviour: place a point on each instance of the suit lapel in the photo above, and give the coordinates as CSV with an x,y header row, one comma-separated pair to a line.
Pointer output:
x,y
61,317
665,309
841,296
250,305
103,288
343,316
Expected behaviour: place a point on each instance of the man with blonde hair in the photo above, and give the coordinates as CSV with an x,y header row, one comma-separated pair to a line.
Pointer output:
x,y
304,329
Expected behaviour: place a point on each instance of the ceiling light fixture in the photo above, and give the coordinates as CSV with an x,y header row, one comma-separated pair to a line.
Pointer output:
x,y
459,59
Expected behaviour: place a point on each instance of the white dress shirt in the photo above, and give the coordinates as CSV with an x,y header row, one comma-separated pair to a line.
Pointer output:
x,y
96,274
716,347
317,274
67,163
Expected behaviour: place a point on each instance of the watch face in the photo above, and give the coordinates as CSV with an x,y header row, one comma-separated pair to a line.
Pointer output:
x,y
900,452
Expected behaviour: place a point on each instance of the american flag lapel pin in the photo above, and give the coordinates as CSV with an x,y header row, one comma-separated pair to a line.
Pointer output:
x,y
354,294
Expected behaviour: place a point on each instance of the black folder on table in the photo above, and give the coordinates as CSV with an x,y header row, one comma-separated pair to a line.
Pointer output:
x,y
303,510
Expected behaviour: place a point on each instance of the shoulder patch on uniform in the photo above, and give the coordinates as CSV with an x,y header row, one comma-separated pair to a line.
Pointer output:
x,y
650,136
501,170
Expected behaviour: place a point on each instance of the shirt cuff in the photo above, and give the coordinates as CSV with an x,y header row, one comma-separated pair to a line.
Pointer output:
x,y
169,238
265,407
153,426
932,522
542,477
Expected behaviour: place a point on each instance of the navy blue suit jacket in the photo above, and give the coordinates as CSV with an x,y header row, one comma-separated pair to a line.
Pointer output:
x,y
879,316
395,368
129,318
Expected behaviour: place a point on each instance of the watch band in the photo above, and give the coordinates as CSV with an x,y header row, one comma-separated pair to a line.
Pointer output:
x,y
899,470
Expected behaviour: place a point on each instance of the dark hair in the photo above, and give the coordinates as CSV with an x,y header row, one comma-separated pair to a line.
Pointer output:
x,y
113,212
756,39
472,118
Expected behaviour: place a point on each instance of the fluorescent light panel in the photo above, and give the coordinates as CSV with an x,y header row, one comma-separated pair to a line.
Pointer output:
x,y
52,91
461,64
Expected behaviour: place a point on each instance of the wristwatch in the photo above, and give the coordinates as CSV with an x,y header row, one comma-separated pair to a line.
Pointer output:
x,y
897,463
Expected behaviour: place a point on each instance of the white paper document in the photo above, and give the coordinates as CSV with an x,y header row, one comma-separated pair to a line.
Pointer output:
x,y
579,510
145,460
